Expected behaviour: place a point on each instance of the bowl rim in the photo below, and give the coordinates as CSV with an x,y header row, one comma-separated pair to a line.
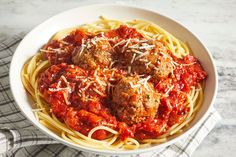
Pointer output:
x,y
116,152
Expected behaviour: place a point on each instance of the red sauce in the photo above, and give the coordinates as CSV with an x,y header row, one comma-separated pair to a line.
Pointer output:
x,y
77,114
123,32
187,75
82,115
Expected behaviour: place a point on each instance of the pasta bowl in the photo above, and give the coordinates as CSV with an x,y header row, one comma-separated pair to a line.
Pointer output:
x,y
35,39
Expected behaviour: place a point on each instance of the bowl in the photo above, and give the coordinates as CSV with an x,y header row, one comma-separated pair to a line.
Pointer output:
x,y
34,40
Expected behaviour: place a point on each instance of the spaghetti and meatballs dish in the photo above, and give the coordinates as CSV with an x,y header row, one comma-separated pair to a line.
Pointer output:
x,y
115,85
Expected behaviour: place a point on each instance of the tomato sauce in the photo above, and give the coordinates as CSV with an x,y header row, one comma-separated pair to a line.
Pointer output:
x,y
62,83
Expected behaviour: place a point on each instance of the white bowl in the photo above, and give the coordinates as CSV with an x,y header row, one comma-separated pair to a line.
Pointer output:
x,y
86,14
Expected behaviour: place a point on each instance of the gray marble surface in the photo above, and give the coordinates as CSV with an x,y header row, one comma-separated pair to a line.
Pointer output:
x,y
214,21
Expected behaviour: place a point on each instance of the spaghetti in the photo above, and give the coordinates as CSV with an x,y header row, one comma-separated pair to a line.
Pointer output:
x,y
114,84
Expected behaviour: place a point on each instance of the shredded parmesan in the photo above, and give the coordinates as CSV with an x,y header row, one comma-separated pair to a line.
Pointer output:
x,y
135,40
143,59
164,55
171,87
147,47
84,80
138,52
134,46
64,42
58,89
58,50
66,89
112,63
129,69
127,42
59,84
101,83
82,47
66,98
112,79
87,86
67,83
119,43
98,92
143,40
141,55
134,86
133,57
147,64
144,82
144,79
47,51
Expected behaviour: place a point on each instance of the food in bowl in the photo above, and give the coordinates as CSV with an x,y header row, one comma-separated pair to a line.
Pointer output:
x,y
114,84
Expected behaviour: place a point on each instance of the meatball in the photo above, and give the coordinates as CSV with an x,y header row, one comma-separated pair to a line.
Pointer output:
x,y
162,69
147,57
134,101
94,53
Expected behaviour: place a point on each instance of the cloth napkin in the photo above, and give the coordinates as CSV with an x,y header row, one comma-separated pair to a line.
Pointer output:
x,y
18,137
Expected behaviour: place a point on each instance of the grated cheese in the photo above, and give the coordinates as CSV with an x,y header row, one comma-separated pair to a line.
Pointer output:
x,y
42,50
165,55
133,57
93,41
64,42
101,83
58,50
127,42
143,40
138,52
98,92
86,87
144,79
134,86
135,40
129,69
67,83
147,47
112,79
141,55
171,87
147,64
58,88
59,84
144,82
112,63
143,60
135,46
117,44
66,97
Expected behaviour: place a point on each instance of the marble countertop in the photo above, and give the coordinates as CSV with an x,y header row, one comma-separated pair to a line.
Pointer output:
x,y
214,21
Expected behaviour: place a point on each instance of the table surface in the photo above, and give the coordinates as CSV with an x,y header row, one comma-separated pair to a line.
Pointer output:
x,y
214,21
